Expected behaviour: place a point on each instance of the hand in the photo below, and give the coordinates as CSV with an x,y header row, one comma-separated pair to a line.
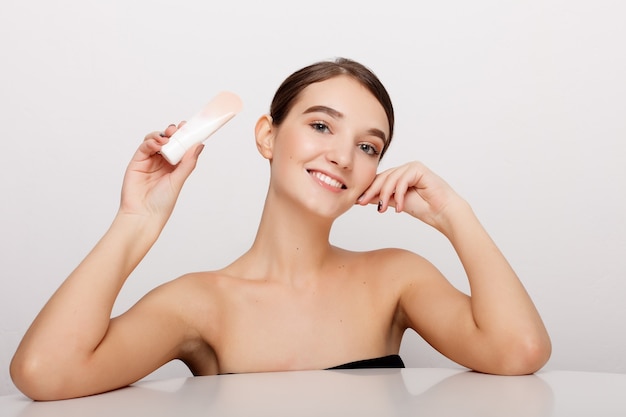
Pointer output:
x,y
414,189
151,185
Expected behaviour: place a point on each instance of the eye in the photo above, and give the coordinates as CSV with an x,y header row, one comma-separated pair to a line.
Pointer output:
x,y
320,127
369,149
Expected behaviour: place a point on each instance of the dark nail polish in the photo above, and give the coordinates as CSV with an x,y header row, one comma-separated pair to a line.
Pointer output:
x,y
380,205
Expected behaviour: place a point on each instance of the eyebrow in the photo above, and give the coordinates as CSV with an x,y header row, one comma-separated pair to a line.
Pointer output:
x,y
339,115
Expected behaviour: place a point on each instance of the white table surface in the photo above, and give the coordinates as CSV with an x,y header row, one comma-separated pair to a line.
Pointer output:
x,y
428,392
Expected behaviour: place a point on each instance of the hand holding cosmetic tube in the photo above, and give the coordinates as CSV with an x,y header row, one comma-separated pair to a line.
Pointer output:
x,y
214,115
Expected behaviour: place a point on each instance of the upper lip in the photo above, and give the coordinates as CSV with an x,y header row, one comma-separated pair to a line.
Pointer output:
x,y
333,176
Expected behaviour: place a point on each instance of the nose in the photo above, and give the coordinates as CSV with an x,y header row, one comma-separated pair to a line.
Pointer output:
x,y
341,153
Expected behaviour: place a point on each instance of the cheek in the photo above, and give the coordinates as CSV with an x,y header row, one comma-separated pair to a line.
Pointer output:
x,y
293,143
368,174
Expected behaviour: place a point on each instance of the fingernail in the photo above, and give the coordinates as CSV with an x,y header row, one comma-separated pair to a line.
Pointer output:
x,y
380,205
358,200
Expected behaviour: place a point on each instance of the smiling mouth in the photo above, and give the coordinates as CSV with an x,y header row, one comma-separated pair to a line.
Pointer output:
x,y
328,180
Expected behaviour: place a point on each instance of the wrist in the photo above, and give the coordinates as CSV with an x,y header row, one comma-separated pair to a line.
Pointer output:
x,y
138,227
457,215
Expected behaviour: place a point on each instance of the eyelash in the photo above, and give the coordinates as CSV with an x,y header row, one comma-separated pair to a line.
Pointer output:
x,y
320,126
368,148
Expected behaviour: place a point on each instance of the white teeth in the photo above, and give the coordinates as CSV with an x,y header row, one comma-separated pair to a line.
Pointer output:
x,y
327,180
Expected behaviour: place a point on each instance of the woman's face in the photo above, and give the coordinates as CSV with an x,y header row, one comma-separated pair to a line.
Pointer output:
x,y
326,151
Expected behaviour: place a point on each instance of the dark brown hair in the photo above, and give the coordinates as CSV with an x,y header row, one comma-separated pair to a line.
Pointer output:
x,y
293,85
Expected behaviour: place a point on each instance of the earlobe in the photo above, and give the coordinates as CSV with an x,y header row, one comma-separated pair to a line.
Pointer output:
x,y
264,135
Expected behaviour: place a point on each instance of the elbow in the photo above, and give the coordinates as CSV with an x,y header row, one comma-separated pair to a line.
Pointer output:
x,y
23,374
30,376
526,356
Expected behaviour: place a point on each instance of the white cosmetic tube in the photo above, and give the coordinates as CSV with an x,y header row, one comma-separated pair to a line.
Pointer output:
x,y
213,115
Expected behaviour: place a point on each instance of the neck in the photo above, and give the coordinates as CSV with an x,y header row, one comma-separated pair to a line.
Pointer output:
x,y
291,246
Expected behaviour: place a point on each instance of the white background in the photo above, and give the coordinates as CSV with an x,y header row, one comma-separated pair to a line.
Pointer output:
x,y
520,105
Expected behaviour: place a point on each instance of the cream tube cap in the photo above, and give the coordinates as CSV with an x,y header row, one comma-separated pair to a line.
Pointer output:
x,y
173,152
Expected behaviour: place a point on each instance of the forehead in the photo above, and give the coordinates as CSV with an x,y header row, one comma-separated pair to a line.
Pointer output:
x,y
346,95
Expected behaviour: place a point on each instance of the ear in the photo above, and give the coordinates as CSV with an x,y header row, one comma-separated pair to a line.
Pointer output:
x,y
264,132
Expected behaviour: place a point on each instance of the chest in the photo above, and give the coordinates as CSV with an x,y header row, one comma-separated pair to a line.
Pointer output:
x,y
267,328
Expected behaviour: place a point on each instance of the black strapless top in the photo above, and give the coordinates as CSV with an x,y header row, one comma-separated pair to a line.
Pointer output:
x,y
390,361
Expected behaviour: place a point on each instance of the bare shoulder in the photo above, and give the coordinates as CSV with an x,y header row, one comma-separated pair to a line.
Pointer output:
x,y
412,272
396,278
193,281
394,271
189,295
421,290
186,309
398,264
190,302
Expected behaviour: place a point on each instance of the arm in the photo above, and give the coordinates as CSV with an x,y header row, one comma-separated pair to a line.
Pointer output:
x,y
495,330
72,346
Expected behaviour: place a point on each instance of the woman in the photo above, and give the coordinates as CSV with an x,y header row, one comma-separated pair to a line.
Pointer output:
x,y
292,301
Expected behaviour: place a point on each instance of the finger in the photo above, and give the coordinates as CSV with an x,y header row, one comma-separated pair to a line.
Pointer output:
x,y
370,200
151,144
371,194
155,141
187,164
164,136
152,135
388,189
403,185
368,197
398,197
169,130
